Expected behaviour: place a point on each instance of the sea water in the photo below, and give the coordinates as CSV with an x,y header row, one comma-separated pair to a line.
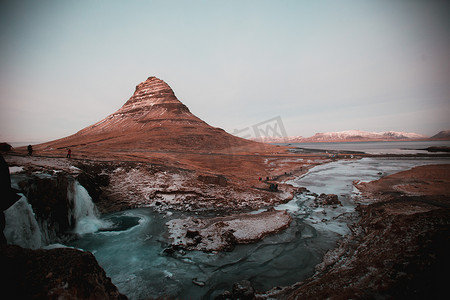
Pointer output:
x,y
393,147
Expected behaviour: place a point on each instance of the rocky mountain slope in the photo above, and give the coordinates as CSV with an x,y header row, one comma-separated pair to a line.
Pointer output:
x,y
153,119
444,134
154,150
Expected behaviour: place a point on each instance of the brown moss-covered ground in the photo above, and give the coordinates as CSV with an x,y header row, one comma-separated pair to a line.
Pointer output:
x,y
182,181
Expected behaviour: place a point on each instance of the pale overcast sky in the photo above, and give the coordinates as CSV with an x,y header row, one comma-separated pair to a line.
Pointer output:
x,y
319,65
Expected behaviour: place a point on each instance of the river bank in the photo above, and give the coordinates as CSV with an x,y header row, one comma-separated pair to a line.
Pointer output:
x,y
220,183
315,228
399,248
118,185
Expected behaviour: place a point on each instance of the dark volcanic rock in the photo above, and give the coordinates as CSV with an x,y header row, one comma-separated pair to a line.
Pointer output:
x,y
93,183
51,201
7,194
5,147
192,234
54,274
328,199
242,290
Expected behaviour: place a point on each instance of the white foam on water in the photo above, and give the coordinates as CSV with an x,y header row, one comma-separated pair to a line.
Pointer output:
x,y
85,213
291,206
56,246
133,258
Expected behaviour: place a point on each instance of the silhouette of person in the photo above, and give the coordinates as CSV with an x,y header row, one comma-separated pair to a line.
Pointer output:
x,y
69,153
30,150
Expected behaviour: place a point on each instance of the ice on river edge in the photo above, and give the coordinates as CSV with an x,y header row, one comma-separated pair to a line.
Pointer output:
x,y
24,230
140,272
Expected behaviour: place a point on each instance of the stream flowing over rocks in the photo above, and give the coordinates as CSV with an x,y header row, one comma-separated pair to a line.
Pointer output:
x,y
399,247
151,252
53,209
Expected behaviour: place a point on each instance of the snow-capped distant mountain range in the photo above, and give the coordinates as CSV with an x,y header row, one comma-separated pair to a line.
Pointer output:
x,y
347,136
359,134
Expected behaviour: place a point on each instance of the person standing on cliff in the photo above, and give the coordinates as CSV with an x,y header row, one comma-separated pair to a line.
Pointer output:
x,y
30,150
69,153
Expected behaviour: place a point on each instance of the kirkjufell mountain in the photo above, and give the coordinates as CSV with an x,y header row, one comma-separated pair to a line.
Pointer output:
x,y
153,119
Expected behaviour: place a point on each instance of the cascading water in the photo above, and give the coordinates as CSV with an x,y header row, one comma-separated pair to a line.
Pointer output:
x,y
131,250
133,254
84,212
21,228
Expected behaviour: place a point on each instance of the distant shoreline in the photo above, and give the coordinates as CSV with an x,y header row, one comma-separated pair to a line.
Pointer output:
x,y
350,140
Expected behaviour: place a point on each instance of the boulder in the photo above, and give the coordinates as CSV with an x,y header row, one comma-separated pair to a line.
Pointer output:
x,y
243,290
328,199
62,273
226,295
192,234
5,147
200,283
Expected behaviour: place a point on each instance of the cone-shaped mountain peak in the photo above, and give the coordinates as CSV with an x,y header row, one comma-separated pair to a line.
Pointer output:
x,y
154,98
153,119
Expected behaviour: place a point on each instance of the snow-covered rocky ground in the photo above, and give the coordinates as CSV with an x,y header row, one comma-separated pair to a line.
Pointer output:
x,y
223,233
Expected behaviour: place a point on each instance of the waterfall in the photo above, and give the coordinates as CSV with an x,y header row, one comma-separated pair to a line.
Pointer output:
x,y
84,212
21,228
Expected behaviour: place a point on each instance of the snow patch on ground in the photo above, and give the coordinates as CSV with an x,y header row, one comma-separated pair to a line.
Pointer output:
x,y
15,170
41,162
222,233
